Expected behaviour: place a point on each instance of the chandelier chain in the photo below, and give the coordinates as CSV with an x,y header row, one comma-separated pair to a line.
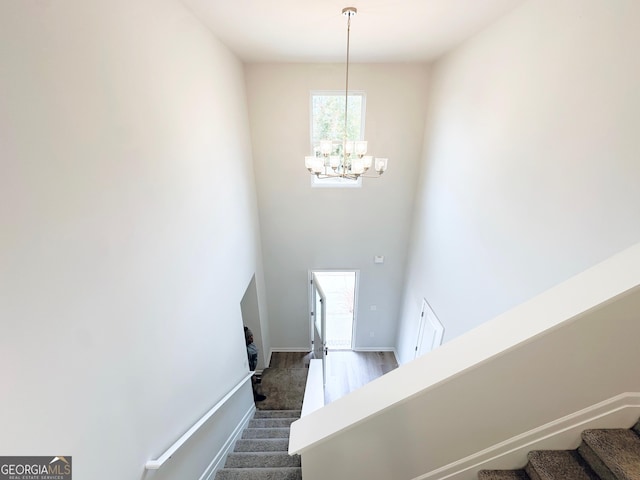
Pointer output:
x,y
346,88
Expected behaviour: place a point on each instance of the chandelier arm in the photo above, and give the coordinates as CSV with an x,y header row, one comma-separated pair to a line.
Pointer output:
x,y
348,176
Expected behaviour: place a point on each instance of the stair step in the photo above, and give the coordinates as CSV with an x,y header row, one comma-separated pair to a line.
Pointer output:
x,y
259,474
265,433
558,464
613,453
502,475
262,445
277,414
604,454
261,459
271,422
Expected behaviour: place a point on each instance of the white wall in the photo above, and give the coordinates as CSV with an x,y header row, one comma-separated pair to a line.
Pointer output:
x,y
306,228
531,162
128,233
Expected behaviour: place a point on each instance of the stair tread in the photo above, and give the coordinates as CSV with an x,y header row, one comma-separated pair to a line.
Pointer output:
x,y
502,475
277,414
271,422
262,451
555,464
261,459
279,432
283,473
262,445
618,449
604,454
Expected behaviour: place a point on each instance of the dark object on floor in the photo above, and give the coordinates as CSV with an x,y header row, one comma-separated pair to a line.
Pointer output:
x,y
258,397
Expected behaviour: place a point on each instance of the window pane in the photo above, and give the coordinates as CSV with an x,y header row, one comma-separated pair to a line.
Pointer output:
x,y
328,123
328,118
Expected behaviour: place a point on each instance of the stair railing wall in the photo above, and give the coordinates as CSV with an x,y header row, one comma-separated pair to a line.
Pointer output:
x,y
203,447
157,463
560,352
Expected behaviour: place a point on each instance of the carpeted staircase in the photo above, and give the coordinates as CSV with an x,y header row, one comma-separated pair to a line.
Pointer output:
x,y
607,454
262,452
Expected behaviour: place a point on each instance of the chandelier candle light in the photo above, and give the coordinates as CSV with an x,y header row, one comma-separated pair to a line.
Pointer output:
x,y
352,162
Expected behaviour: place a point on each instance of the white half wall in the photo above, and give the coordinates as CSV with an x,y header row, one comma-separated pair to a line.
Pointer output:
x,y
561,356
128,234
305,228
531,162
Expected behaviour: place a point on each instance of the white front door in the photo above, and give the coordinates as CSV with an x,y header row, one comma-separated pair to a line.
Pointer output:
x,y
340,288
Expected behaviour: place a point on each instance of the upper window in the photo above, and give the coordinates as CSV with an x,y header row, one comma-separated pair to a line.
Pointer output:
x,y
327,123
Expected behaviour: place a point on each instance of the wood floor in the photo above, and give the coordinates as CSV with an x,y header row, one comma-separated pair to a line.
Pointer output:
x,y
346,370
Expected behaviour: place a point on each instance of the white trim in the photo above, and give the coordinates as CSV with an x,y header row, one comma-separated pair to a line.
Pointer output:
x,y
156,464
310,307
269,358
218,461
621,411
286,350
356,308
376,349
379,349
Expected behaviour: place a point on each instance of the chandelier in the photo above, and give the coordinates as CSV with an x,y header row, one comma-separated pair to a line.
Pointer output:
x,y
349,160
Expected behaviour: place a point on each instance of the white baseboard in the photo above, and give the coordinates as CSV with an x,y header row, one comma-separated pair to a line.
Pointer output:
x,y
355,349
219,459
621,411
286,350
379,349
376,349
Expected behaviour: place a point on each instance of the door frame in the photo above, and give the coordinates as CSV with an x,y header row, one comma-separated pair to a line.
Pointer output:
x,y
319,331
356,287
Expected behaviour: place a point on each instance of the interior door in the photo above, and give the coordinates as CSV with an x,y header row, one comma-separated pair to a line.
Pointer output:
x,y
319,316
430,331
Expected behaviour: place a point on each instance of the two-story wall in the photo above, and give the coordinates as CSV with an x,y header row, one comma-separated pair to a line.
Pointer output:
x,y
128,234
530,164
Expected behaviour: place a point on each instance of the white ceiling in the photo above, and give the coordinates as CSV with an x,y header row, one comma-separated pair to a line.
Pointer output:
x,y
315,30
